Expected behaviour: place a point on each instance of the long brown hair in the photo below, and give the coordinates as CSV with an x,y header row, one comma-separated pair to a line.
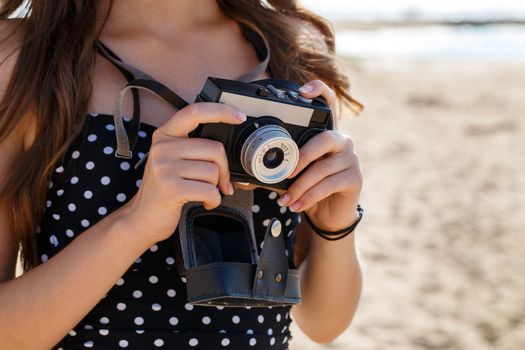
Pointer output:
x,y
52,80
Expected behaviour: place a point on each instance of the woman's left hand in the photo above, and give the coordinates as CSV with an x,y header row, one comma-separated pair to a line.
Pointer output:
x,y
328,190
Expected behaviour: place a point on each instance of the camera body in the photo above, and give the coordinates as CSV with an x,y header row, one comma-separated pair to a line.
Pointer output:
x,y
264,150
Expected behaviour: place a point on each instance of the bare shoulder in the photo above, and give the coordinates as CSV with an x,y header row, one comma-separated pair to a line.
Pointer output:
x,y
11,36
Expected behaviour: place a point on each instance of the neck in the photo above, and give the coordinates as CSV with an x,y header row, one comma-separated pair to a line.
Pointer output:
x,y
159,18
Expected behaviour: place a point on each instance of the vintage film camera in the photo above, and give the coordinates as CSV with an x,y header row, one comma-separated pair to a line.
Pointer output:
x,y
217,250
264,150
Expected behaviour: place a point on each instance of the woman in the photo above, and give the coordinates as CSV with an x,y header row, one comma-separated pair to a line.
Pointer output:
x,y
98,262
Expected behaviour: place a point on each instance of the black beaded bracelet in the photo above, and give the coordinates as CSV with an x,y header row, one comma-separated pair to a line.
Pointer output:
x,y
337,235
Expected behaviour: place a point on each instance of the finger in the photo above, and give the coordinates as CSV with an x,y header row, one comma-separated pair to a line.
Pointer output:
x,y
321,144
316,88
202,150
188,118
198,191
333,184
197,170
315,174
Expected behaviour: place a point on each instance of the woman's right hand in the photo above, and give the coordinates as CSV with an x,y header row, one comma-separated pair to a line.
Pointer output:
x,y
180,169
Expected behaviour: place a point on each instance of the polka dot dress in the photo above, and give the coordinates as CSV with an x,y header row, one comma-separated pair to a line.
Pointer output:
x,y
147,307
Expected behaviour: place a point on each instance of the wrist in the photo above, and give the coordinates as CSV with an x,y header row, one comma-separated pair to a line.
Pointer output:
x,y
345,241
335,235
127,230
333,225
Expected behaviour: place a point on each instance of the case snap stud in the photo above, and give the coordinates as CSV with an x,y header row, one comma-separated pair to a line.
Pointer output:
x,y
260,274
276,228
278,277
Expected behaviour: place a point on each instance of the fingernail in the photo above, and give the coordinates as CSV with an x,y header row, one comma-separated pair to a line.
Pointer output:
x,y
283,199
306,88
240,116
230,189
295,207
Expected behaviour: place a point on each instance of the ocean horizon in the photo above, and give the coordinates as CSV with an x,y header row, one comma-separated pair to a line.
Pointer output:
x,y
419,10
490,43
440,39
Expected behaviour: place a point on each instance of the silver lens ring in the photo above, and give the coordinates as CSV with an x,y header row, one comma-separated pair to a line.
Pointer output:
x,y
263,143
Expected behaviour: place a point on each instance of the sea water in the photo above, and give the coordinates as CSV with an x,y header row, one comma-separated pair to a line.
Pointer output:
x,y
490,42
483,43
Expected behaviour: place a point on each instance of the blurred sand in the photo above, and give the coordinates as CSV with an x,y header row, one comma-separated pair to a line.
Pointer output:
x,y
442,244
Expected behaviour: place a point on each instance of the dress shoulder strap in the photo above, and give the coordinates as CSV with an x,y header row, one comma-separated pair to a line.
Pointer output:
x,y
259,42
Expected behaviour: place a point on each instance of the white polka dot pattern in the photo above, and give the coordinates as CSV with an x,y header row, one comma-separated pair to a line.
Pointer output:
x,y
147,308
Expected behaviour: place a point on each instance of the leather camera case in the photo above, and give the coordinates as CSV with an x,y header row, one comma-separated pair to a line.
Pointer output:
x,y
217,254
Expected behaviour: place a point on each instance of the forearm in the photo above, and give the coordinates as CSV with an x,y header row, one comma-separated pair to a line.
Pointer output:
x,y
41,306
330,287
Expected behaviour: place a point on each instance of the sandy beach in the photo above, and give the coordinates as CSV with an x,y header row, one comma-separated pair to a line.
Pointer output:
x,y
442,245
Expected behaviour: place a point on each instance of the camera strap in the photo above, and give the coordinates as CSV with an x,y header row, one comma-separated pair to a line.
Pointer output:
x,y
126,71
138,80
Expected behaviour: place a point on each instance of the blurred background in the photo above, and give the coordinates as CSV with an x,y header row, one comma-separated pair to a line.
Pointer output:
x,y
442,149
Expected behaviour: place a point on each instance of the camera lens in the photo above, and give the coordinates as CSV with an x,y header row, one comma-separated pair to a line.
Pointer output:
x,y
269,154
273,158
